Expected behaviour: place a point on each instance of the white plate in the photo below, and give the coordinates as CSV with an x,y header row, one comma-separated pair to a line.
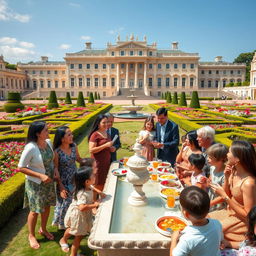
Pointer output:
x,y
171,177
164,164
119,172
171,181
165,196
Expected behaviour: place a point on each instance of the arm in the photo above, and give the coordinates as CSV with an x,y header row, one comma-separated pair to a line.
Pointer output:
x,y
179,157
174,241
175,138
44,178
78,157
93,149
103,195
216,200
88,207
117,143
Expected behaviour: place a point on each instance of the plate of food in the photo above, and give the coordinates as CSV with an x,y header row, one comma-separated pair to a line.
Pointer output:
x,y
150,168
169,184
170,192
167,176
123,160
162,170
167,224
119,172
164,164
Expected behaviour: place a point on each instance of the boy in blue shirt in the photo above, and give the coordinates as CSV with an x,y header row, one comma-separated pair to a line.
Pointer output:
x,y
204,236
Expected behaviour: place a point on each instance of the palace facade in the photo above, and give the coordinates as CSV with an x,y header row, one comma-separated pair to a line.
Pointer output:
x,y
130,64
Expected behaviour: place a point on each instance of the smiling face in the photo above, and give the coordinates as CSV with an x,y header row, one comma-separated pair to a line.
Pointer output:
x,y
44,134
110,121
232,160
162,119
149,126
103,125
68,137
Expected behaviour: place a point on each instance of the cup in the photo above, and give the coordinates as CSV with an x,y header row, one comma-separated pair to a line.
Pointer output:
x,y
170,201
155,164
154,177
125,160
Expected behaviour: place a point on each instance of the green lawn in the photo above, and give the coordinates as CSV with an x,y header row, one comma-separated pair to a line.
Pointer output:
x,y
14,234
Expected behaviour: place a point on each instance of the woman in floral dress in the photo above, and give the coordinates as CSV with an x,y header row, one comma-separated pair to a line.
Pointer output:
x,y
66,155
36,162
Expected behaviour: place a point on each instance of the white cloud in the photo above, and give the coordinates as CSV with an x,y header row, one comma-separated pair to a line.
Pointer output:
x,y
8,40
115,31
86,38
26,44
7,13
64,46
74,4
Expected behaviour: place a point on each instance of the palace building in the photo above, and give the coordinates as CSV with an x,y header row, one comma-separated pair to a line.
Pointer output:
x,y
130,64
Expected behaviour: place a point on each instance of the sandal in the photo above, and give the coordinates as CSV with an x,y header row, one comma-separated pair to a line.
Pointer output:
x,y
46,234
33,243
64,247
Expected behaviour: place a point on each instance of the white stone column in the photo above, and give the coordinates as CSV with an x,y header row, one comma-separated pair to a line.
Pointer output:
x,y
117,78
146,92
126,75
136,76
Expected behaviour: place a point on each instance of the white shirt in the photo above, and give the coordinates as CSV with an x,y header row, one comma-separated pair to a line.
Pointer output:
x,y
162,131
200,240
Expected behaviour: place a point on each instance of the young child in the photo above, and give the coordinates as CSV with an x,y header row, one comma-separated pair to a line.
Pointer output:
x,y
217,156
204,236
197,162
78,219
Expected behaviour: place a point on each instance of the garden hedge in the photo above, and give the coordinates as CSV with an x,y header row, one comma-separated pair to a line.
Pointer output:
x,y
53,102
80,100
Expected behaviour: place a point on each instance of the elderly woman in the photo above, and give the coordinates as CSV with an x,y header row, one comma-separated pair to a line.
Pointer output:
x,y
37,163
238,191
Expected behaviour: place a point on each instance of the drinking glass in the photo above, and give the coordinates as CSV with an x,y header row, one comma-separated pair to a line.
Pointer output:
x,y
170,201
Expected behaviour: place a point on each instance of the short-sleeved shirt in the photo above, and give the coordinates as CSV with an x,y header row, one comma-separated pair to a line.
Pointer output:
x,y
200,240
196,178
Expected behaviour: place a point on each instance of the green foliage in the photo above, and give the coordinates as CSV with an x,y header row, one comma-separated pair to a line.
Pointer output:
x,y
53,103
91,99
11,66
98,96
175,98
13,102
183,101
13,97
68,98
95,95
168,98
246,83
194,103
170,95
80,100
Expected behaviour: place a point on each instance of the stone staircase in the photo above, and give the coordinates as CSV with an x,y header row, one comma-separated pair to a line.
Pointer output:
x,y
125,92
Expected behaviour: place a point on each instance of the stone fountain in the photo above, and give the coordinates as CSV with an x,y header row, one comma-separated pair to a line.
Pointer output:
x,y
137,175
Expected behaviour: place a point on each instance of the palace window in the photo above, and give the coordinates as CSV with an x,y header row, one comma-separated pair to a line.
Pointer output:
x,y
167,82
175,82
72,81
56,72
41,72
175,66
104,66
122,53
112,66
72,94
140,53
33,72
158,94
88,66
41,83
34,84
150,53
63,84
209,83
224,83
231,72
131,53
238,72
72,66
192,66
167,66
112,81
224,72
88,82
202,84
159,66
140,65
150,82
104,82
56,84
159,81
191,82
48,72
80,66
183,82
209,72
96,82
202,72
63,72
140,83
112,53
150,65
122,65
80,81
131,66
104,94
96,66
184,66
217,72
216,83
49,84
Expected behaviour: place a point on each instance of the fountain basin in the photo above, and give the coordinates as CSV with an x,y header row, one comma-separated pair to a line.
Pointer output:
x,y
131,116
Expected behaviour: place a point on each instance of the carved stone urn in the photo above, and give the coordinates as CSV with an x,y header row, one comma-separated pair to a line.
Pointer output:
x,y
137,175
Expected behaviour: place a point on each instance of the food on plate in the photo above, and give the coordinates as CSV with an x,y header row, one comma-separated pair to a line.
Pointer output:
x,y
169,183
167,177
172,223
165,164
170,191
162,169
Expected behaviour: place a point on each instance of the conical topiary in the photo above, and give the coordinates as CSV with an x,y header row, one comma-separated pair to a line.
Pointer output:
x,y
95,95
91,99
168,98
162,96
98,96
175,98
183,101
80,100
13,102
194,103
68,98
165,95
53,103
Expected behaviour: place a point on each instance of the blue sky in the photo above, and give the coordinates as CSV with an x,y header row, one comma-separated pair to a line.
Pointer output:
x,y
32,28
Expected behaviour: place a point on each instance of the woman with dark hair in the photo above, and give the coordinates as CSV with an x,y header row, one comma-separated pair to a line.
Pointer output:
x,y
189,146
146,136
100,147
66,155
36,162
238,191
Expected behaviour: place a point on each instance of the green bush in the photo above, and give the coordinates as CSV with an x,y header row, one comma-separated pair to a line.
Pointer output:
x,y
68,98
95,95
5,128
168,98
80,100
91,98
98,96
175,98
53,103
183,101
194,103
13,102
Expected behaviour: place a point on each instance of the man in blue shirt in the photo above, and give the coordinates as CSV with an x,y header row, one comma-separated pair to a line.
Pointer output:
x,y
167,137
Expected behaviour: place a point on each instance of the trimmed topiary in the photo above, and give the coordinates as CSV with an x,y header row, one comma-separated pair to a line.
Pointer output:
x,y
95,96
168,98
68,98
183,101
53,103
13,102
98,96
80,100
175,98
194,103
91,99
